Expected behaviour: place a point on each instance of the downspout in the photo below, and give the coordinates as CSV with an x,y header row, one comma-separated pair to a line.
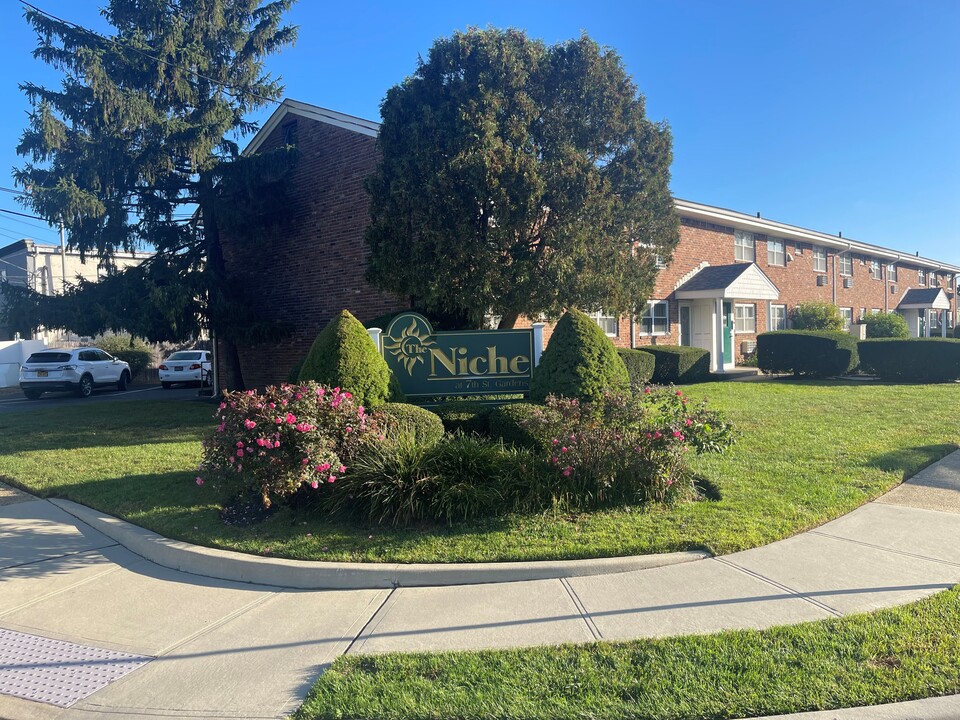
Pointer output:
x,y
215,366
633,331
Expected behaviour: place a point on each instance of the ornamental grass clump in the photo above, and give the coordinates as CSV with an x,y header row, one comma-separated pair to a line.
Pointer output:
x,y
270,444
625,449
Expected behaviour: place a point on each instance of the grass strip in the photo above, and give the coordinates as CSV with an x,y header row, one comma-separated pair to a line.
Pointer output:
x,y
808,452
904,653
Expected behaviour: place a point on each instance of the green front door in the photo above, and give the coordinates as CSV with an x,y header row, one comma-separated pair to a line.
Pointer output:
x,y
727,333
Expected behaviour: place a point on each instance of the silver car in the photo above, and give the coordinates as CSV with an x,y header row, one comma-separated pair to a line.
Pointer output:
x,y
77,369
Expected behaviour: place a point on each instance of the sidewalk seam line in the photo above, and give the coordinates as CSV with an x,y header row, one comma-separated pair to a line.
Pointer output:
x,y
885,549
53,593
372,624
780,586
214,625
581,608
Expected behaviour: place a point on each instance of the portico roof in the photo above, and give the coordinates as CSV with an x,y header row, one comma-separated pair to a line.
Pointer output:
x,y
743,281
924,299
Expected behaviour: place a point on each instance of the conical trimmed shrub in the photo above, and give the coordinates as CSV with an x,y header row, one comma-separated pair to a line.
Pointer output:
x,y
344,356
579,362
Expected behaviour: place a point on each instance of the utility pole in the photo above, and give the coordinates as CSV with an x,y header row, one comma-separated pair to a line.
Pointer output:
x,y
63,258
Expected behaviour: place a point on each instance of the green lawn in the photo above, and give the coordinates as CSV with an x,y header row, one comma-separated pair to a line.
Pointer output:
x,y
892,655
808,452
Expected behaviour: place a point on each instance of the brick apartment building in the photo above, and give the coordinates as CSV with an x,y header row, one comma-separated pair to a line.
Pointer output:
x,y
731,277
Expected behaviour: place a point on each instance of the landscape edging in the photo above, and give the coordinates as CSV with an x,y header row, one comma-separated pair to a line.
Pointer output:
x,y
319,575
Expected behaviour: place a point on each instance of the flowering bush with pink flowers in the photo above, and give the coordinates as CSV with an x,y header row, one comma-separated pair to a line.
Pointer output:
x,y
625,448
274,442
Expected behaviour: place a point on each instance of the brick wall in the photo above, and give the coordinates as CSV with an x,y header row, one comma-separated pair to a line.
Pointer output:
x,y
317,270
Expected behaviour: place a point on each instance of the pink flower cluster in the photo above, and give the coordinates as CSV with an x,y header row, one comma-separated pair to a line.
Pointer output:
x,y
318,430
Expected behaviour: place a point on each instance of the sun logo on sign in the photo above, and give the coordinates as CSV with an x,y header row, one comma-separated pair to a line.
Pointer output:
x,y
411,346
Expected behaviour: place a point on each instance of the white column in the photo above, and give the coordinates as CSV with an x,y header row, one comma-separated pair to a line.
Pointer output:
x,y
943,323
926,323
718,341
374,333
538,342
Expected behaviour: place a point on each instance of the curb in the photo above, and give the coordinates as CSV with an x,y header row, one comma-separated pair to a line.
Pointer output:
x,y
311,575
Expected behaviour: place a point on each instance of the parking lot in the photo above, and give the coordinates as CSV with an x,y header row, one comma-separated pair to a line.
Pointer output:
x,y
12,399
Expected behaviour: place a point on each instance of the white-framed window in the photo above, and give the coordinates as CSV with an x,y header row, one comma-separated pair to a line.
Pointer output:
x,y
847,314
846,265
875,311
744,246
655,320
776,252
892,272
863,314
745,318
921,277
777,317
610,324
819,259
875,271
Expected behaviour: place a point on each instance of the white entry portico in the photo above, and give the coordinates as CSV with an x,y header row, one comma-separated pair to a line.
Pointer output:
x,y
923,308
706,304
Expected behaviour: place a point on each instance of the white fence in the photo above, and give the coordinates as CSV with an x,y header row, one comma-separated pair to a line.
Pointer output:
x,y
13,353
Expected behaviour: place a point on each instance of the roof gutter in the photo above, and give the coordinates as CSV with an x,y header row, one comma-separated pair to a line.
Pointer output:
x,y
732,218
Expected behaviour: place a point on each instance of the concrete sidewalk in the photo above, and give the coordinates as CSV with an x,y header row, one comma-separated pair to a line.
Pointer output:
x,y
220,648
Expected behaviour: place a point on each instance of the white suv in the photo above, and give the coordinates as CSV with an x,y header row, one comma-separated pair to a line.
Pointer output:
x,y
78,369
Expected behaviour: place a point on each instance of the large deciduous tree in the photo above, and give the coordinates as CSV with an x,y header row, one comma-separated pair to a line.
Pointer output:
x,y
138,146
519,178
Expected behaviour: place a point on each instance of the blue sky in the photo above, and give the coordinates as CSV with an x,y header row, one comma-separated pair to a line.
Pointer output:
x,y
829,114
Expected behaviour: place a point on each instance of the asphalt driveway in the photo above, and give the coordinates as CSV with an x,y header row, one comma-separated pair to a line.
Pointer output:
x,y
14,401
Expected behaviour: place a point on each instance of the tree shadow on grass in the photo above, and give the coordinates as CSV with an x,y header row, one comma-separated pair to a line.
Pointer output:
x,y
20,434
171,504
908,461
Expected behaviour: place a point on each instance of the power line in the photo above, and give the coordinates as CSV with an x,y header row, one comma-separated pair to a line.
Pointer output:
x,y
14,212
168,63
12,237
30,224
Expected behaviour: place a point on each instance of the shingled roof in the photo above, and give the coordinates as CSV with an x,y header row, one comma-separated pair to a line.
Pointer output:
x,y
714,277
920,298
743,281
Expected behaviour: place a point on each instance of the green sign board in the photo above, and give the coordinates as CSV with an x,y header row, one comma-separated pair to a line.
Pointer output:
x,y
428,363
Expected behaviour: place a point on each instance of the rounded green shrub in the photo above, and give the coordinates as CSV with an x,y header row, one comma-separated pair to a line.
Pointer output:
x,y
579,362
886,325
465,417
818,316
423,426
639,365
344,356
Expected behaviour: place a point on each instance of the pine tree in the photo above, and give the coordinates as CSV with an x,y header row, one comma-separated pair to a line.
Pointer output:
x,y
138,147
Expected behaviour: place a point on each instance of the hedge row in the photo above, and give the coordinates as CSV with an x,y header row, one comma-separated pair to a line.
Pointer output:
x,y
912,360
827,354
679,364
807,352
639,365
